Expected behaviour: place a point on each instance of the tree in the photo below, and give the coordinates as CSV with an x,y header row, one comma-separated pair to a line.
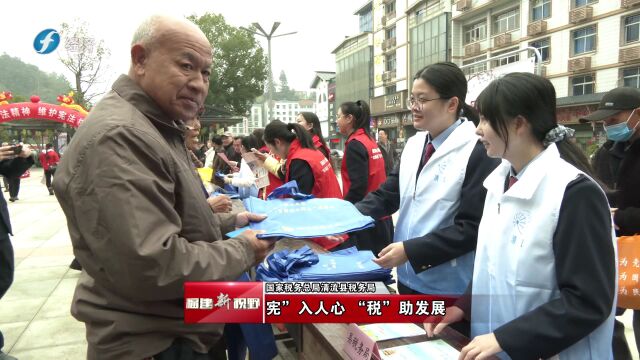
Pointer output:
x,y
285,93
83,55
239,65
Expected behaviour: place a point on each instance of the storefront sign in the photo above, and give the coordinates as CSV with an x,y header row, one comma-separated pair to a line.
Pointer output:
x,y
388,103
571,115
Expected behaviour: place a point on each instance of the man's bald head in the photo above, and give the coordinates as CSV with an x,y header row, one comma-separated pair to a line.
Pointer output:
x,y
171,61
151,31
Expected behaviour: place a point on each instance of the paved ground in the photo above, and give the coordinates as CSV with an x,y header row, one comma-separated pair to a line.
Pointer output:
x,y
34,314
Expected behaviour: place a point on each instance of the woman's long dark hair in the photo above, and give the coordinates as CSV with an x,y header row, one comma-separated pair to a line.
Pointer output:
x,y
534,98
361,115
312,119
276,129
449,81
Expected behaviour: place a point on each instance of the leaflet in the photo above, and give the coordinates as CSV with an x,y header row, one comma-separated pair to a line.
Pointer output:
x,y
381,332
428,350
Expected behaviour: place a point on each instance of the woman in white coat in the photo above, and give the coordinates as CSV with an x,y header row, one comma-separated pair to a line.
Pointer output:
x,y
437,189
544,278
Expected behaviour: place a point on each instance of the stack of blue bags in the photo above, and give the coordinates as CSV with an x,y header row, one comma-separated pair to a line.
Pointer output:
x,y
304,265
303,219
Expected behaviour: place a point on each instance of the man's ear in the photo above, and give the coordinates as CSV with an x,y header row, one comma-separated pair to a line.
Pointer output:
x,y
139,56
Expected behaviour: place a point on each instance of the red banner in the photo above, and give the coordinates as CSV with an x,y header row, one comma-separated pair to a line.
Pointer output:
x,y
354,302
25,110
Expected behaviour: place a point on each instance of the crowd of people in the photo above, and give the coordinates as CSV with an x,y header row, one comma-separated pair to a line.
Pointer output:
x,y
495,204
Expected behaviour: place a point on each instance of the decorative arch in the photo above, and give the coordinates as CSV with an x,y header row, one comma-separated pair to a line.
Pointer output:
x,y
67,112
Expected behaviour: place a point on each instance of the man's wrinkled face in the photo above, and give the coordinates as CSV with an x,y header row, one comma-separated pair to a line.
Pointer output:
x,y
237,146
174,71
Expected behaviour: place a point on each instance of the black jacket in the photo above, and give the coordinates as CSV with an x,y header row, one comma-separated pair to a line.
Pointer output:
x,y
11,168
617,164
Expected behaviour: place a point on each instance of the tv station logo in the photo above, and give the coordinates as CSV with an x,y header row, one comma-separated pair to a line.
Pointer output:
x,y
46,41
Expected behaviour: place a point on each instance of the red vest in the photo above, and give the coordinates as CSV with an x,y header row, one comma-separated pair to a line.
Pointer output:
x,y
325,181
377,175
318,145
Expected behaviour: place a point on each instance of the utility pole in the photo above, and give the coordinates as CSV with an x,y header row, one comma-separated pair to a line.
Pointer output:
x,y
261,32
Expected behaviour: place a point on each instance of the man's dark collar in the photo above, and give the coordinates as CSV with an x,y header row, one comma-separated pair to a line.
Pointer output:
x,y
130,91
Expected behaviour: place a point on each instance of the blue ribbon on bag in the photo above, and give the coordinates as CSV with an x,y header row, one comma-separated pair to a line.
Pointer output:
x,y
289,189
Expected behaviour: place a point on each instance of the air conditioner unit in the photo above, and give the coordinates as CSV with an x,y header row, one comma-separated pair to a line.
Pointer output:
x,y
463,5
630,3
629,54
383,20
537,27
502,40
581,14
580,64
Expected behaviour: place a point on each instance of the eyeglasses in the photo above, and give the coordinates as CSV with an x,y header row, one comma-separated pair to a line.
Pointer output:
x,y
411,102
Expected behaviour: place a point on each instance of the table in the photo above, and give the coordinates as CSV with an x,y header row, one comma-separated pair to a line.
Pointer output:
x,y
325,341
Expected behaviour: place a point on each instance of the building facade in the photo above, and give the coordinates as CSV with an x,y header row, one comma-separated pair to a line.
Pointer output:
x,y
588,47
354,75
320,85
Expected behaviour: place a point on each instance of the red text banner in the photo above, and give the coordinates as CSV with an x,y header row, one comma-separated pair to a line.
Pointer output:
x,y
247,302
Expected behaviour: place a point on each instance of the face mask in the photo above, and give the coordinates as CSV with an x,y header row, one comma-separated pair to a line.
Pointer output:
x,y
621,132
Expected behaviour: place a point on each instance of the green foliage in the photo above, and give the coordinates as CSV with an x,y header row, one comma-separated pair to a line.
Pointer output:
x,y
24,80
239,65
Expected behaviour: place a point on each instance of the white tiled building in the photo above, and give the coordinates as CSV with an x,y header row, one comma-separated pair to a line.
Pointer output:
x,y
320,85
588,47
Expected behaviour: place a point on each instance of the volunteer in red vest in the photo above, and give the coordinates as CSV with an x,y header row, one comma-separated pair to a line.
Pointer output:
x,y
49,159
306,165
362,171
310,121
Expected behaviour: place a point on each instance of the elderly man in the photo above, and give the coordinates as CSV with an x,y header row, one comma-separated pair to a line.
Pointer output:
x,y
137,217
617,164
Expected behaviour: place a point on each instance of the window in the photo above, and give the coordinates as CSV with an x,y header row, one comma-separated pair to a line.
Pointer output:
x,y
584,40
507,21
390,8
475,32
390,89
631,77
390,33
631,28
540,9
582,85
474,68
366,22
507,59
390,62
543,46
579,3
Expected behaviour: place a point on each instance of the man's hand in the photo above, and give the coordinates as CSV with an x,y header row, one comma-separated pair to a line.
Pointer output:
x,y
392,256
220,203
26,151
453,314
260,247
243,218
481,347
7,153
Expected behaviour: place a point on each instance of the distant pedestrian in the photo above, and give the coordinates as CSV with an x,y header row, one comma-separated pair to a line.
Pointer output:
x,y
49,159
11,165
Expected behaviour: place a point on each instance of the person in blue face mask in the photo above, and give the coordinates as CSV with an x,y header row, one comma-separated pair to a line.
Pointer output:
x,y
617,164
